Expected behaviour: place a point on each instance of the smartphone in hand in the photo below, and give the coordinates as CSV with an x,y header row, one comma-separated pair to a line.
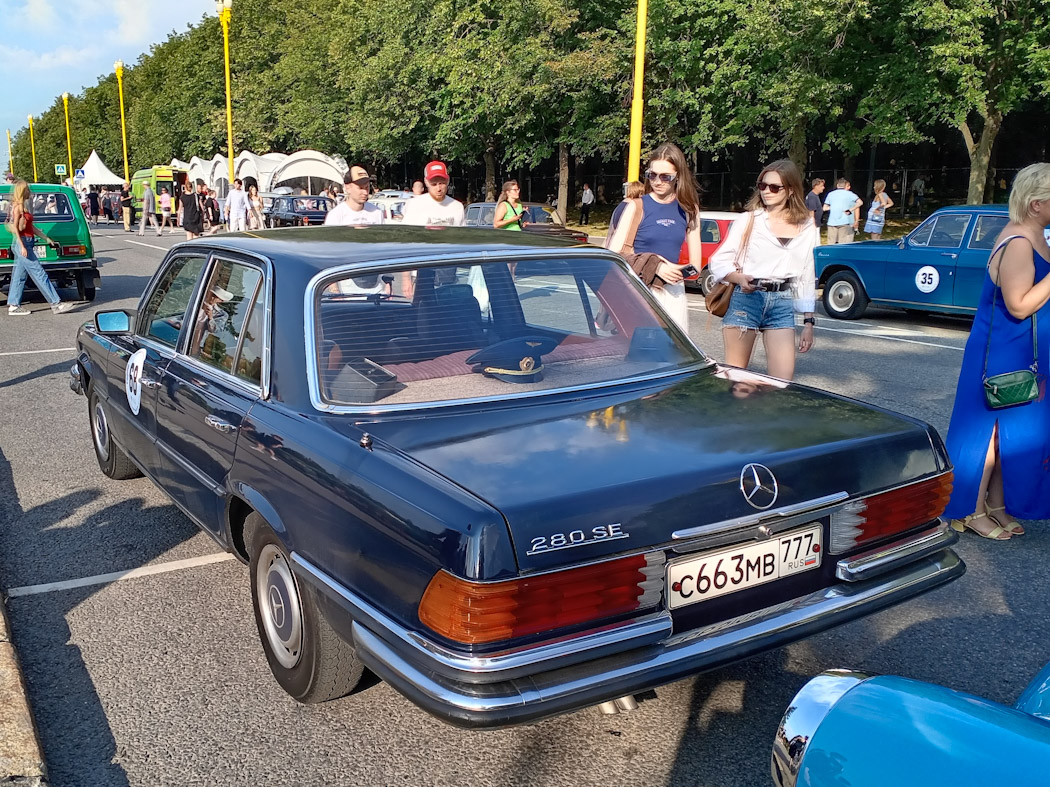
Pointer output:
x,y
689,272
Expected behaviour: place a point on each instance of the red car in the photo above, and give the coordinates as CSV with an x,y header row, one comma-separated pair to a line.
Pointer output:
x,y
714,226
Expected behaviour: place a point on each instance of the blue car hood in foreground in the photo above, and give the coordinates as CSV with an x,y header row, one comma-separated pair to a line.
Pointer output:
x,y
661,458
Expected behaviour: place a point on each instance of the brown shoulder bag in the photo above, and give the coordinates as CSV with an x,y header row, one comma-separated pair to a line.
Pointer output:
x,y
718,299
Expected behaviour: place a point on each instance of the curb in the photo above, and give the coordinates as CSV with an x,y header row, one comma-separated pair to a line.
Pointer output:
x,y
21,758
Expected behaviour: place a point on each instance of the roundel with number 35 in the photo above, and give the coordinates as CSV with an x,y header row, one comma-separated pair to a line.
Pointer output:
x,y
927,278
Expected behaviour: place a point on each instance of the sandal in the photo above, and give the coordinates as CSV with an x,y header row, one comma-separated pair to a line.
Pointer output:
x,y
1013,528
997,533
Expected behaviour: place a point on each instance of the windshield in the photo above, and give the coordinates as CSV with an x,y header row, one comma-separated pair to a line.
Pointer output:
x,y
475,330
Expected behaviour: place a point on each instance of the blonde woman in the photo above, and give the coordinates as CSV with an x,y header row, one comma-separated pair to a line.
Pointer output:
x,y
23,239
1000,456
768,257
880,203
255,208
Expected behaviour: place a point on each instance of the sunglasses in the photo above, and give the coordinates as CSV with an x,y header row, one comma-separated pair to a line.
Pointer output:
x,y
773,187
666,177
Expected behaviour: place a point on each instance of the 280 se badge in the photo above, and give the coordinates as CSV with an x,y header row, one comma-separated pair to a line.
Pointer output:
x,y
431,458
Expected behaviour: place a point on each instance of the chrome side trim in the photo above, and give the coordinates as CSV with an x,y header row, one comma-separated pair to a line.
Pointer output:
x,y
503,665
885,558
802,718
629,672
761,516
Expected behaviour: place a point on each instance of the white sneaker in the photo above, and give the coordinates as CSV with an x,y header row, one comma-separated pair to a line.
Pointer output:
x,y
18,311
60,307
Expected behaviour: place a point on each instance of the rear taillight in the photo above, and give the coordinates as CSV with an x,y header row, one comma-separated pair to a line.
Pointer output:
x,y
480,612
886,514
74,251
306,220
5,254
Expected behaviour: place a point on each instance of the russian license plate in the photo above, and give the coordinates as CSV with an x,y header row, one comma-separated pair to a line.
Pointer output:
x,y
729,570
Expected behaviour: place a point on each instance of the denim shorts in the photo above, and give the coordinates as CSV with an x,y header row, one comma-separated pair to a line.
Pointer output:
x,y
761,311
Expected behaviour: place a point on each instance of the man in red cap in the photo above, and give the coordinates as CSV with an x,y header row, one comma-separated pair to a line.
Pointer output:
x,y
435,207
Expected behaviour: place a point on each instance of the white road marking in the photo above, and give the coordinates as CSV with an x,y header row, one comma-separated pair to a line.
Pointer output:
x,y
148,245
34,352
116,576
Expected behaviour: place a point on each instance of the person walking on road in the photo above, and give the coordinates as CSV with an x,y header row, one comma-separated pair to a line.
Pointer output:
x,y
585,204
212,214
94,205
1000,456
814,204
509,213
880,203
237,207
768,258
192,216
670,216
355,209
165,211
255,208
126,206
149,210
435,207
843,209
23,239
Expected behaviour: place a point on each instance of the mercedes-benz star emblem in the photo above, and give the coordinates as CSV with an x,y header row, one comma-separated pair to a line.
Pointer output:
x,y
759,485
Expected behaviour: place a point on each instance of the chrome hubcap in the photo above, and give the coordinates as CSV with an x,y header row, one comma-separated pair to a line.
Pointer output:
x,y
100,431
279,606
842,296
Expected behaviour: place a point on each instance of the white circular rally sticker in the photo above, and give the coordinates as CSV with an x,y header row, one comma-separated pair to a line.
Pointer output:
x,y
133,380
927,278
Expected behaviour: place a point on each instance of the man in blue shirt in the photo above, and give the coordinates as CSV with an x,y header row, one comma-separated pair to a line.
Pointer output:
x,y
843,208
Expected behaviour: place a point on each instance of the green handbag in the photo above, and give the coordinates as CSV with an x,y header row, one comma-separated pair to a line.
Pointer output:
x,y
1010,389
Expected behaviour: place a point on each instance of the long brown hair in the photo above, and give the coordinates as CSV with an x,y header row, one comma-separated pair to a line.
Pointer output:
x,y
507,185
792,179
684,183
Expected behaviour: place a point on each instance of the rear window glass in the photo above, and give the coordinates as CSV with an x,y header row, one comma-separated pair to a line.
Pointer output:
x,y
311,203
44,207
987,230
464,331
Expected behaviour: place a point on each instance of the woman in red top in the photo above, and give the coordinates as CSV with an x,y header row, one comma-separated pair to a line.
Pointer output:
x,y
23,238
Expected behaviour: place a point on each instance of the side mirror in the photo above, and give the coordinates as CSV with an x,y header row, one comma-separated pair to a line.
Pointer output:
x,y
902,243
112,323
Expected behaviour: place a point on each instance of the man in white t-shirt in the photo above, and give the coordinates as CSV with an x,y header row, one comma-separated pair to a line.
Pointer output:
x,y
355,209
237,208
435,207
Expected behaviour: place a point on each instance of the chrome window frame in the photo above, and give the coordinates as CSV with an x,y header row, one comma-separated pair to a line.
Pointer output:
x,y
325,277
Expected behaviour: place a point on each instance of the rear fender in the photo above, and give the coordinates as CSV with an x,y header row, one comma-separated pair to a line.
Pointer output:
x,y
1035,700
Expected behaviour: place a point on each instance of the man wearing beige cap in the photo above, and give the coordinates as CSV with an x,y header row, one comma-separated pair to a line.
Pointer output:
x,y
355,209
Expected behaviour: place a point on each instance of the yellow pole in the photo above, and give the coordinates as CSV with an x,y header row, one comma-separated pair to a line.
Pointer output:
x,y
634,154
69,142
10,155
118,67
32,147
224,18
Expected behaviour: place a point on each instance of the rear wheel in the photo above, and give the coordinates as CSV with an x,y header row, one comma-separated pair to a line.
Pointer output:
x,y
112,461
310,661
844,296
707,280
85,286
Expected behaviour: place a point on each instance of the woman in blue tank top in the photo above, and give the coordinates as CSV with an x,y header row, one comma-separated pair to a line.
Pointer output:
x,y
670,217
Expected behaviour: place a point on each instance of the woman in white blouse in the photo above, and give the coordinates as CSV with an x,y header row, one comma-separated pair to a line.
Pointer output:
x,y
768,257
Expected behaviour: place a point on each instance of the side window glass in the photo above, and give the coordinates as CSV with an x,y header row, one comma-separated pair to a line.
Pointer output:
x,y
550,297
472,216
709,232
161,320
249,359
488,216
986,230
949,230
921,236
222,316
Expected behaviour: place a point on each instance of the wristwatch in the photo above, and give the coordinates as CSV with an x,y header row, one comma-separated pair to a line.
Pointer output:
x,y
809,321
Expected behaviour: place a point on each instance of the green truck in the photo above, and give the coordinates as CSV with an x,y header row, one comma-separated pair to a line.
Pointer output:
x,y
57,213
169,178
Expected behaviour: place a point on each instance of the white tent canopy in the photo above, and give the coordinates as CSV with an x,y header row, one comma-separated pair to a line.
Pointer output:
x,y
97,173
249,165
307,164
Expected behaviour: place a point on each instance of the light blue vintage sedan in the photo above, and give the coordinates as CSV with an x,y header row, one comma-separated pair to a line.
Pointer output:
x,y
845,728
938,267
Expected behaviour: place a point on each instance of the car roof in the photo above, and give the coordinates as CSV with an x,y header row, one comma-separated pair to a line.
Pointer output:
x,y
319,248
997,208
40,188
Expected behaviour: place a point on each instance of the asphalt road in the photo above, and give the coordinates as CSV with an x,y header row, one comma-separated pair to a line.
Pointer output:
x,y
159,679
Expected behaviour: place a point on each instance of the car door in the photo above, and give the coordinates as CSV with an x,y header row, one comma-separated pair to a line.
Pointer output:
x,y
925,273
973,259
211,385
138,360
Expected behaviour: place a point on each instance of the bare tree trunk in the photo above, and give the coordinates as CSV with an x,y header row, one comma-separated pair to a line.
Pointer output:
x,y
490,173
980,154
563,181
797,146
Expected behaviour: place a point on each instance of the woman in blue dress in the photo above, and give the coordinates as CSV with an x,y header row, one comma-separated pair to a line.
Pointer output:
x,y
1002,457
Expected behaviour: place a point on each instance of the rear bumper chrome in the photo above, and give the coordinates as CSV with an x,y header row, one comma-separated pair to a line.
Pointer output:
x,y
887,557
387,650
76,384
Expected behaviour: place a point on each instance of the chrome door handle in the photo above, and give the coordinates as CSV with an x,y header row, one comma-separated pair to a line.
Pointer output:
x,y
217,423
150,383
949,254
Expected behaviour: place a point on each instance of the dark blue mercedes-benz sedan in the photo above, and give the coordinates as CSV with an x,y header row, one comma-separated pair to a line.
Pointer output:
x,y
487,467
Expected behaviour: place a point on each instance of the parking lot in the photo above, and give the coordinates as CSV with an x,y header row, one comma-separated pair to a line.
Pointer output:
x,y
142,660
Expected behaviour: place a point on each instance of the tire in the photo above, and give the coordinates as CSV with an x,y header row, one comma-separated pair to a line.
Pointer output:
x,y
273,223
309,660
111,460
844,296
707,281
85,287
